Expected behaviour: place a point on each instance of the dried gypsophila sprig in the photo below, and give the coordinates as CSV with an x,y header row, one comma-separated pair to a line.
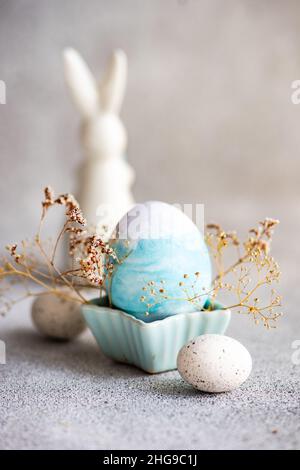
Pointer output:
x,y
253,258
218,239
39,266
154,293
253,269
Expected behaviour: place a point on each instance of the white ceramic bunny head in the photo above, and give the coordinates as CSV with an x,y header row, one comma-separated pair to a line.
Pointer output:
x,y
105,177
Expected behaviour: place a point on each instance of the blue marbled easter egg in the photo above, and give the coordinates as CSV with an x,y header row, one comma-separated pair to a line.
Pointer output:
x,y
162,260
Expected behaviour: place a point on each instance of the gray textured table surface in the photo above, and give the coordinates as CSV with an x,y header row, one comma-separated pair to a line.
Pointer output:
x,y
69,396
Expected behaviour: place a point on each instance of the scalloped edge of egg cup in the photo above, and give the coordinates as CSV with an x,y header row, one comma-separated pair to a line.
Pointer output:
x,y
152,347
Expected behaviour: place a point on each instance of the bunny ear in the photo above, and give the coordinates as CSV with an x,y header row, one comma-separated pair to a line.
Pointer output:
x,y
113,86
81,83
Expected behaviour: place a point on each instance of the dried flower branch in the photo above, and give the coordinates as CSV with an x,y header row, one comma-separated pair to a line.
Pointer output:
x,y
38,267
217,240
253,270
93,264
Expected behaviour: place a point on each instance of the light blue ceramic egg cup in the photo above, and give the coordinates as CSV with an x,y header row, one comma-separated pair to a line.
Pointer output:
x,y
153,346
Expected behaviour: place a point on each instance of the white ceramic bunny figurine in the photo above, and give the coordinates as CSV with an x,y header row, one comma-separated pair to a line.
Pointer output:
x,y
105,177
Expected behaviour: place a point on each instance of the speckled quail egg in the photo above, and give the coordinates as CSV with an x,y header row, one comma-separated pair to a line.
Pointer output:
x,y
57,317
214,363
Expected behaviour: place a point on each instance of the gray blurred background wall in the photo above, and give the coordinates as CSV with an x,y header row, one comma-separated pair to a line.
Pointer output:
x,y
208,106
